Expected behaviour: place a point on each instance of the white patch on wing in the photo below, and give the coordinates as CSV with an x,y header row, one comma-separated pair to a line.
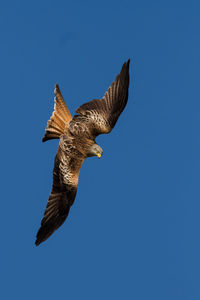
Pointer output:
x,y
68,176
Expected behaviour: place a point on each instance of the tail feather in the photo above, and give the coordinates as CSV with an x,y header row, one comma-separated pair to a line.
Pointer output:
x,y
60,118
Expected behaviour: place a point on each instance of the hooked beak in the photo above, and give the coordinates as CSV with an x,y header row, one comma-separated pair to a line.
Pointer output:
x,y
99,155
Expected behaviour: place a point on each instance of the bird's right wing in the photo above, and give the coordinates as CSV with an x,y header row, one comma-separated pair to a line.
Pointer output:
x,y
101,115
65,182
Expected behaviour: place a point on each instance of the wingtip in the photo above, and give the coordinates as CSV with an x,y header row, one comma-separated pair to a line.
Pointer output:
x,y
126,64
37,243
38,239
41,235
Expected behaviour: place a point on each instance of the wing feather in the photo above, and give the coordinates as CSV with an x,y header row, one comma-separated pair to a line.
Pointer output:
x,y
63,193
101,115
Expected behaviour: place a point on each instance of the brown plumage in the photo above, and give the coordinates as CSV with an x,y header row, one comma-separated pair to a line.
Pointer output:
x,y
77,142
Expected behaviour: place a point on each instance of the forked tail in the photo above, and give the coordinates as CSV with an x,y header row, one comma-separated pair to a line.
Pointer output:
x,y
60,118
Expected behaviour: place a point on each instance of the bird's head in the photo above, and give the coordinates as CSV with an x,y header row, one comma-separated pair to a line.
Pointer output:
x,y
95,150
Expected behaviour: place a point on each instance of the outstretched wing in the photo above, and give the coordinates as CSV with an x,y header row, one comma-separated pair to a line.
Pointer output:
x,y
65,181
101,115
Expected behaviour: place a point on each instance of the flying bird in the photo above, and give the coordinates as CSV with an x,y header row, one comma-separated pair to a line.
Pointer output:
x,y
77,142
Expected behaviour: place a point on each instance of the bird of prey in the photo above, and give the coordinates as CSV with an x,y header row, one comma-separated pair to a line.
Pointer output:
x,y
77,142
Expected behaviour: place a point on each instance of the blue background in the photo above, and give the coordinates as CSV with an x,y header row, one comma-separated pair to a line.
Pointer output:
x,y
133,231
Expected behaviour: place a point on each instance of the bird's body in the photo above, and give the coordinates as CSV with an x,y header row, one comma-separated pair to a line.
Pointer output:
x,y
77,142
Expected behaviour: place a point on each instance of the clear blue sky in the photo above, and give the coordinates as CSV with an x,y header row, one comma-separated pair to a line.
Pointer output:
x,y
134,229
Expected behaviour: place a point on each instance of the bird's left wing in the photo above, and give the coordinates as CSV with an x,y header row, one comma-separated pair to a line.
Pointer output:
x,y
65,182
101,115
